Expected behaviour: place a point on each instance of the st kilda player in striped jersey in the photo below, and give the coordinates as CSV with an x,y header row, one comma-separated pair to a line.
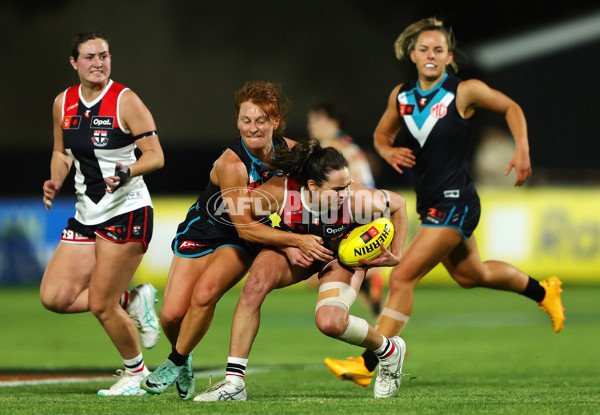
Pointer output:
x,y
97,126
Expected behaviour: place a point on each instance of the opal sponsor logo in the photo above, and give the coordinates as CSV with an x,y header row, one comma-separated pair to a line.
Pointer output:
x,y
102,122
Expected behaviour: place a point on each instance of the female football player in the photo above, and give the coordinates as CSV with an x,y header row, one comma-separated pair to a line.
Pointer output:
x,y
434,109
97,126
314,194
215,244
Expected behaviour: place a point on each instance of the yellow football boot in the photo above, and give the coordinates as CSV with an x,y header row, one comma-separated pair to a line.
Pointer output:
x,y
552,304
351,369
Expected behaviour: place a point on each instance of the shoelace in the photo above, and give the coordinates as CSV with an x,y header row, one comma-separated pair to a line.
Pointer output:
x,y
211,388
124,378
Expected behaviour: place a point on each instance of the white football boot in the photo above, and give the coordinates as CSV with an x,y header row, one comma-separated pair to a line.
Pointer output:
x,y
127,385
141,310
225,390
390,375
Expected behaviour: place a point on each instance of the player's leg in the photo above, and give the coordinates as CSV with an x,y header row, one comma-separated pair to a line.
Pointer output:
x,y
466,267
428,247
270,270
183,276
224,268
64,287
369,294
337,292
115,266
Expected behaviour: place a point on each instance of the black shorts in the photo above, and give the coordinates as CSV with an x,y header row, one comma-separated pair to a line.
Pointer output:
x,y
461,216
199,235
134,226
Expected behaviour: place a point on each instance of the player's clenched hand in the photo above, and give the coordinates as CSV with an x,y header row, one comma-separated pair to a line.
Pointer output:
x,y
297,257
51,189
386,259
122,173
312,246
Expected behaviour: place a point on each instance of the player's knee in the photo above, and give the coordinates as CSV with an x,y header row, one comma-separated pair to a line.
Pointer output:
x,y
256,287
99,309
170,317
330,322
207,295
467,281
399,284
55,302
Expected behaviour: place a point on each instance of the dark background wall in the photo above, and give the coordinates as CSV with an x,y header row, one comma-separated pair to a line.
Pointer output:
x,y
186,58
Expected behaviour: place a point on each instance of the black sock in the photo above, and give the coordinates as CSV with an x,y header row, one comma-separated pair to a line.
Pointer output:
x,y
371,360
177,358
534,290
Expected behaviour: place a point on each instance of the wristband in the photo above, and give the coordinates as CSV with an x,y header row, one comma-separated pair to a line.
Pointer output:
x,y
123,172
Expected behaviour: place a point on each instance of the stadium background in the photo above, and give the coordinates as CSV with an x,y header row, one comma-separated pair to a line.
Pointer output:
x,y
186,58
486,351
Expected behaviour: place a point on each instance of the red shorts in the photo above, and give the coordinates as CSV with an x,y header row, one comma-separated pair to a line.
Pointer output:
x,y
135,226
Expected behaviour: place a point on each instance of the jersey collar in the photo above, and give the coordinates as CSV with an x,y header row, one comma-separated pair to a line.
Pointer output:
x,y
433,88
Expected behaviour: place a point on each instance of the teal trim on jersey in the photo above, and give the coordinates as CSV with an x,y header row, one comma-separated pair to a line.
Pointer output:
x,y
254,174
184,231
421,116
430,90
210,251
462,220
235,246
202,253
445,224
192,256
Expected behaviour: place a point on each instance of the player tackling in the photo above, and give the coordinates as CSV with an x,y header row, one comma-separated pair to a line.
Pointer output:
x,y
314,194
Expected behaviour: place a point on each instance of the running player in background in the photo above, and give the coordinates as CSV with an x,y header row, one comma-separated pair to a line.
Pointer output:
x,y
326,123
216,243
97,126
434,109
314,194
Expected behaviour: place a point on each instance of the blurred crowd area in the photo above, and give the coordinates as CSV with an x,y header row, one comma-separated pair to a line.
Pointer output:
x,y
187,67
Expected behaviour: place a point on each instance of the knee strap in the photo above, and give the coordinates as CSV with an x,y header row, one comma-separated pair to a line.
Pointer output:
x,y
337,294
356,332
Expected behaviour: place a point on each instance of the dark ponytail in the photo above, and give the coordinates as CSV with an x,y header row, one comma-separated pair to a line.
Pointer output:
x,y
307,160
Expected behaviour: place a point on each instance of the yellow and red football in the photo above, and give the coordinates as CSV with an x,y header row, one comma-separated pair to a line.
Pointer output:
x,y
364,242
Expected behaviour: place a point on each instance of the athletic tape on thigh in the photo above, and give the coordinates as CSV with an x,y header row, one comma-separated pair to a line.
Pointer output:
x,y
356,332
336,293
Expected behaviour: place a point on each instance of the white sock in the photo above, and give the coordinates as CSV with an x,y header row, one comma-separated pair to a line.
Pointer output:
x,y
236,369
136,364
386,350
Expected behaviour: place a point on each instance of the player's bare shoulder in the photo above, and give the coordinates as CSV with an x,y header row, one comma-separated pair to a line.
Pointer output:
x,y
228,166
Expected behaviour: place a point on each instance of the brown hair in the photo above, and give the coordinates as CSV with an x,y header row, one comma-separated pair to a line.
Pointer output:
x,y
268,97
306,161
408,38
84,37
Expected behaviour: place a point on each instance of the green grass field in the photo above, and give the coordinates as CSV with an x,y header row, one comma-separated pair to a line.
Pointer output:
x,y
470,352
